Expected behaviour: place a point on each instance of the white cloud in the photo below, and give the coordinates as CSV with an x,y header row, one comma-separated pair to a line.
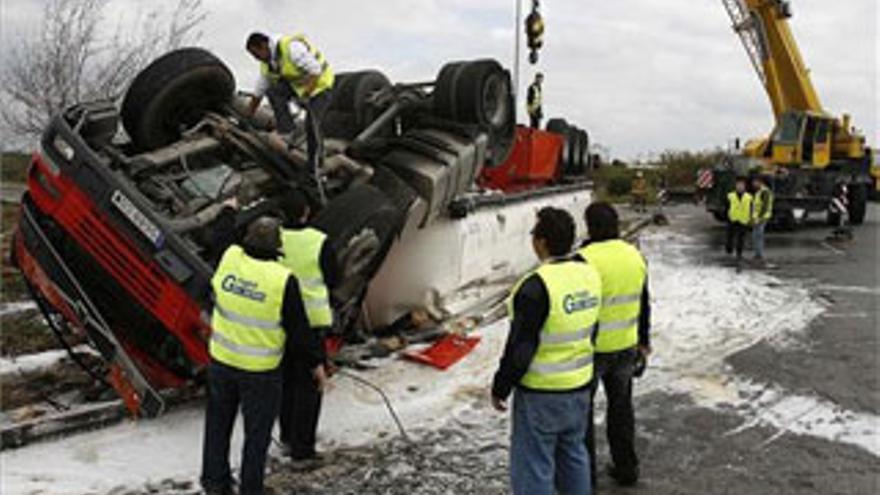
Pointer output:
x,y
640,75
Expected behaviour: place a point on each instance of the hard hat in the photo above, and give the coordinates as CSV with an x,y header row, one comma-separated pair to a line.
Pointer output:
x,y
640,174
264,234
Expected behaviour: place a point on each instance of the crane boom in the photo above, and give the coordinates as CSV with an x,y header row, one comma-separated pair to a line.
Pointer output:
x,y
763,28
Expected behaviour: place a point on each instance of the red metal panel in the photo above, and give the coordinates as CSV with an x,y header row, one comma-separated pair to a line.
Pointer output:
x,y
533,162
143,280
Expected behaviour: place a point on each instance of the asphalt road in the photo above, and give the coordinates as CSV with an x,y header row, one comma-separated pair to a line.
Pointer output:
x,y
687,449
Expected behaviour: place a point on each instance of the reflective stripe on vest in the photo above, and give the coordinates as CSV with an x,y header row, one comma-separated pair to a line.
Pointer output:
x,y
247,350
246,322
302,256
291,73
564,358
623,271
740,210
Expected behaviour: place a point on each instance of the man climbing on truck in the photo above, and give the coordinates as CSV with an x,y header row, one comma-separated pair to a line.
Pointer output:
x,y
291,68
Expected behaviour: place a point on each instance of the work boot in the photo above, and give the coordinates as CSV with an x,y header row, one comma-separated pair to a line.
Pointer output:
x,y
310,463
624,477
220,491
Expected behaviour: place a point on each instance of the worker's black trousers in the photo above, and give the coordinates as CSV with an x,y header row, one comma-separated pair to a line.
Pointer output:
x,y
736,238
300,408
615,372
258,395
535,121
315,107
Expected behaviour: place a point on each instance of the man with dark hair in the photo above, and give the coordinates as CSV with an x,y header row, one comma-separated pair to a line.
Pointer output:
x,y
548,360
258,312
739,217
292,68
622,340
312,260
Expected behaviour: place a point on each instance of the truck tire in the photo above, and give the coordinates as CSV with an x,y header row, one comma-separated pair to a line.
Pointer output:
x,y
361,225
445,90
858,203
172,94
483,95
584,159
573,168
478,92
561,127
352,92
339,125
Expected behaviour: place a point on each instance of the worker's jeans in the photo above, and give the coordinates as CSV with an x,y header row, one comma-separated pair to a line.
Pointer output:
x,y
258,395
758,239
547,452
300,407
615,371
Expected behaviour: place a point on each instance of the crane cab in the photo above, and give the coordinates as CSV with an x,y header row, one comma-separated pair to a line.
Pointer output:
x,y
802,138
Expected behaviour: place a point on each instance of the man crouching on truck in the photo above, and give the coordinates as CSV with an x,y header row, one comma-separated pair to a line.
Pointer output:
x,y
548,359
257,306
292,68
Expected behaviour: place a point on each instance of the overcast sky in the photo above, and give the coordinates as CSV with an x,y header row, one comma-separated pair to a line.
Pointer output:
x,y
641,75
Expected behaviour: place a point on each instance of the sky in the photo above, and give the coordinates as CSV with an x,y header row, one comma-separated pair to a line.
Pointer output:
x,y
641,76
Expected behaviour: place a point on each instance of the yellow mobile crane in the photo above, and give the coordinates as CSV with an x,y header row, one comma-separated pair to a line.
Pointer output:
x,y
809,150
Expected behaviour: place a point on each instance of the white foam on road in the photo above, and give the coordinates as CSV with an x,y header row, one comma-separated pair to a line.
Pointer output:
x,y
702,314
31,362
13,308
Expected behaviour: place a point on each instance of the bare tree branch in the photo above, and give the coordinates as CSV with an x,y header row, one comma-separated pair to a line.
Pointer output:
x,y
77,55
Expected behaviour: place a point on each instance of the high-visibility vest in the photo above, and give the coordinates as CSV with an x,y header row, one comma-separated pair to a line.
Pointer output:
x,y
302,256
291,73
536,99
760,212
740,210
564,358
639,187
623,271
246,323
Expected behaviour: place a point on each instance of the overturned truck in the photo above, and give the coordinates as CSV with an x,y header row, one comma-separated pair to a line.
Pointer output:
x,y
427,192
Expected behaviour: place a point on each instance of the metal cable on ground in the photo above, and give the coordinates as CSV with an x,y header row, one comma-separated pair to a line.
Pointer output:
x,y
388,405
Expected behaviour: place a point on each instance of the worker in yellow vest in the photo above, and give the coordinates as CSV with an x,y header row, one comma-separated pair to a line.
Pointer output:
x,y
291,68
258,313
639,192
548,360
535,101
312,260
739,218
622,342
762,212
